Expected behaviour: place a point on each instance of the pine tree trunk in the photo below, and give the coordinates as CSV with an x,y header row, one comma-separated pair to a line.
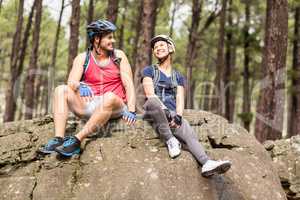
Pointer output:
x,y
55,45
74,33
294,122
191,50
176,4
122,28
229,68
138,26
112,10
206,100
10,101
144,52
218,103
89,18
22,54
45,98
32,70
37,94
270,106
1,1
53,59
246,113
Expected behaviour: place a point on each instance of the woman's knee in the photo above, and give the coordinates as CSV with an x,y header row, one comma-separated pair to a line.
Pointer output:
x,y
152,104
186,132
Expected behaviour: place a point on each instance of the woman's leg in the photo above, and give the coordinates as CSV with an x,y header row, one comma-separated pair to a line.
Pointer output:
x,y
160,123
153,109
186,133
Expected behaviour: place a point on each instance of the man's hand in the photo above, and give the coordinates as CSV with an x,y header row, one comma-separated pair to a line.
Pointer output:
x,y
176,121
85,92
129,117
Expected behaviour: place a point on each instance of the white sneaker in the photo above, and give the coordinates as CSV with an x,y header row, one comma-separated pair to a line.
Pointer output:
x,y
212,167
173,147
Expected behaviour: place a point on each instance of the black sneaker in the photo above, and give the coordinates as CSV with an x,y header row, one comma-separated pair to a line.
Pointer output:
x,y
51,145
71,146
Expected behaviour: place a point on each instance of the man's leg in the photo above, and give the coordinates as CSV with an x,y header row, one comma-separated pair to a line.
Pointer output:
x,y
65,99
110,104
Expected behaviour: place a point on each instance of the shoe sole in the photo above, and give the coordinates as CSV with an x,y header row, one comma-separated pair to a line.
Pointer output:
x,y
218,170
76,152
42,151
175,156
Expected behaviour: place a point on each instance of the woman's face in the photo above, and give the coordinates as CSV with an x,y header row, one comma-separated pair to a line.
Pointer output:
x,y
106,43
161,49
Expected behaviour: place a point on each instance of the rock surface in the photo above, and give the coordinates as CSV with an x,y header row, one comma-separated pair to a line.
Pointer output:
x,y
133,164
285,154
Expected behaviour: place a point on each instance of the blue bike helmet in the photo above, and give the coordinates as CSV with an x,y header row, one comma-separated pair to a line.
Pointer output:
x,y
100,27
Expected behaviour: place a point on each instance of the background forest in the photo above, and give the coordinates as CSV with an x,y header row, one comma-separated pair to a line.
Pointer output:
x,y
241,58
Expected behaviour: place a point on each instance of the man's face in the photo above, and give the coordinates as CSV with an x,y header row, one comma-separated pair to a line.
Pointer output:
x,y
106,42
160,49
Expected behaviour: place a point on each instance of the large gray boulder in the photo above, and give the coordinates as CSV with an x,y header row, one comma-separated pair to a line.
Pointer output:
x,y
133,164
285,154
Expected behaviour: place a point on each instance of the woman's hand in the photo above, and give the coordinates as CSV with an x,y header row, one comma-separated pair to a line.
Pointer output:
x,y
176,121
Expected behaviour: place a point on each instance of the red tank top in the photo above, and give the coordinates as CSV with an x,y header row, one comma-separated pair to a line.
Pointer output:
x,y
104,79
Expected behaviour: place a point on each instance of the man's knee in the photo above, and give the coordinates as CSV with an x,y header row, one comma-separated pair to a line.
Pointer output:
x,y
111,99
61,90
64,91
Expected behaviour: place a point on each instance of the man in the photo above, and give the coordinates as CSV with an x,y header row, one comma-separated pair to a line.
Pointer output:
x,y
164,89
100,87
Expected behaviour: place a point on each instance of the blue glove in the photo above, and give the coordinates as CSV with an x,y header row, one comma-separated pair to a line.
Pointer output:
x,y
85,90
130,116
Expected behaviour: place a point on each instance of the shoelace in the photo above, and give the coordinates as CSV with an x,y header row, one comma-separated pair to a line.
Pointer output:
x,y
69,141
171,144
52,142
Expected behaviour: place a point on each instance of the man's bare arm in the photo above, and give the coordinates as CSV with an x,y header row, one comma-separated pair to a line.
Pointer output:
x,y
76,71
127,80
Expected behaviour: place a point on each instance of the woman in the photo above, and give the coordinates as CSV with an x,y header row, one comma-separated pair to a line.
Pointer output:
x,y
164,89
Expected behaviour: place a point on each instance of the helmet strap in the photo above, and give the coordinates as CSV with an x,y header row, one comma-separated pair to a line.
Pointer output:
x,y
96,48
162,60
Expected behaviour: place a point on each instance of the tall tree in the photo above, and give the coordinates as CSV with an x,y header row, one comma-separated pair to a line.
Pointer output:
x,y
122,28
144,53
74,32
54,53
1,1
191,49
90,18
270,106
294,109
32,70
22,54
230,86
137,23
218,104
246,114
112,10
176,6
10,101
